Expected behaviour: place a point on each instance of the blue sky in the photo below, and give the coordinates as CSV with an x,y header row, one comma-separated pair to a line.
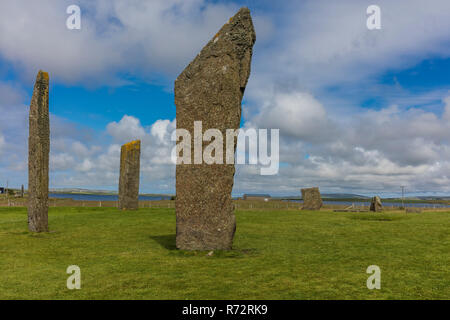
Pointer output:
x,y
359,111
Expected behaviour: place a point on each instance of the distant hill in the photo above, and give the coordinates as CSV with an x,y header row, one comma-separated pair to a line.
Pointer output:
x,y
343,196
81,191
99,192
328,196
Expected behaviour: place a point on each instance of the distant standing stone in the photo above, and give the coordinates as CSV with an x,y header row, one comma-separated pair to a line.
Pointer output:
x,y
129,176
375,204
38,156
210,90
311,199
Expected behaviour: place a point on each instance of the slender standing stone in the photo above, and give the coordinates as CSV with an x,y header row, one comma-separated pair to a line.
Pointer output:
x,y
129,176
38,156
210,90
311,199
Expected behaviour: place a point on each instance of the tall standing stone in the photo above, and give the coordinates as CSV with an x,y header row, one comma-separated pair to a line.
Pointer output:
x,y
311,199
130,156
210,90
38,156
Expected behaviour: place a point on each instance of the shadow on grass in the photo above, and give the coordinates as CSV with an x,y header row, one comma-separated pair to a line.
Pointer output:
x,y
166,241
378,217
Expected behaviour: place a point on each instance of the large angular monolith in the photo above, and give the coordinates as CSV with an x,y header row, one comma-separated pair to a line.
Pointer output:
x,y
38,156
210,90
130,156
376,205
311,199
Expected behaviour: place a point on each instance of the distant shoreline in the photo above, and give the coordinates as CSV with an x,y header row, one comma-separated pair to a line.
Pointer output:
x,y
278,198
106,193
387,200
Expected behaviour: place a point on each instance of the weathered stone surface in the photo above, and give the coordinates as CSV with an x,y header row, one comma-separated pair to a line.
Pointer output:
x,y
210,90
311,199
38,156
375,204
130,164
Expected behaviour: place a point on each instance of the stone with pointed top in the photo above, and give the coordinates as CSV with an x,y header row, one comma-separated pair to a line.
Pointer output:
x,y
376,205
210,90
38,155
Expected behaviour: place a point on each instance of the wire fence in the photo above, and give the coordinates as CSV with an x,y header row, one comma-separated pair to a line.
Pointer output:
x,y
238,204
170,204
88,204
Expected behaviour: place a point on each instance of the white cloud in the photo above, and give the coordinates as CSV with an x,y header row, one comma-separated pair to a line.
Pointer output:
x,y
62,161
127,129
85,166
162,129
328,43
296,114
80,149
309,44
13,134
446,115
2,143
11,94
146,38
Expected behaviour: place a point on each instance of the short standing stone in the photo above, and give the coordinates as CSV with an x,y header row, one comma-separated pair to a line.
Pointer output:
x,y
38,156
129,176
375,204
311,199
210,90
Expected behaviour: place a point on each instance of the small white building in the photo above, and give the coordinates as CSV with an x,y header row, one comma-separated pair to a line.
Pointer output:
x,y
257,197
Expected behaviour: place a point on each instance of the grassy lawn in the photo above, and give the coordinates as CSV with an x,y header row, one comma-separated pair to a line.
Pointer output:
x,y
279,254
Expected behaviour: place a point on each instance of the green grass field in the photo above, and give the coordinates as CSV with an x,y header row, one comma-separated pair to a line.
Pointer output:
x,y
278,254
